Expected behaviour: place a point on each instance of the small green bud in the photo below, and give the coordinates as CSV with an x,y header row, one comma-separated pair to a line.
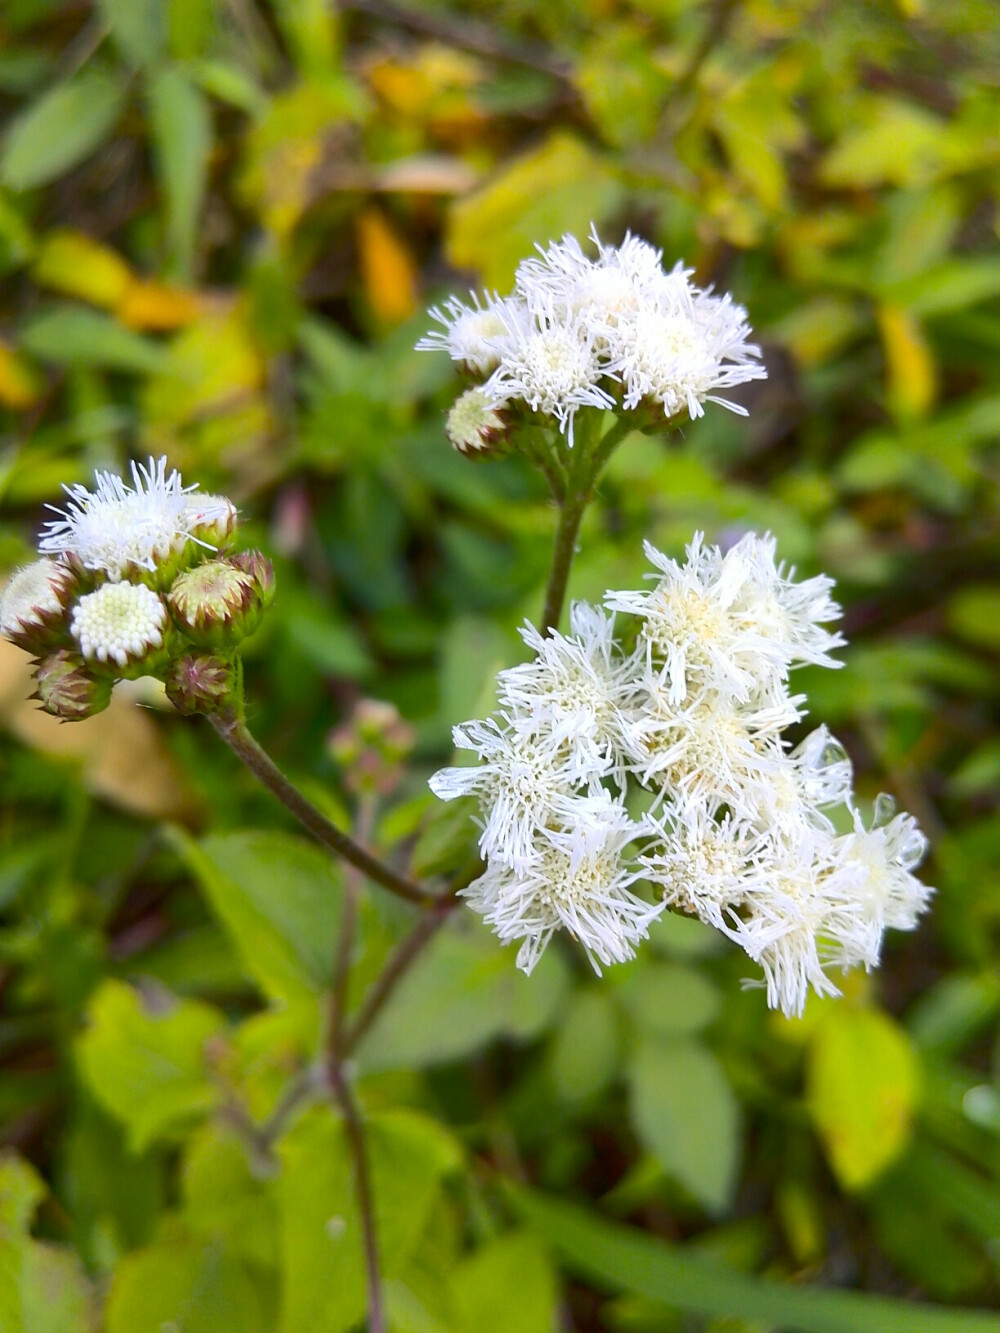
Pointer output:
x,y
200,682
370,746
68,690
477,425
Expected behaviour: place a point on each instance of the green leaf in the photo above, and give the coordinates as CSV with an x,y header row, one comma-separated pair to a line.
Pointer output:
x,y
148,1069
71,335
225,1202
56,1294
462,994
323,1269
60,129
137,27
974,614
181,124
686,1115
509,1285
187,1285
625,1259
585,1050
278,896
558,187
862,1075
670,1000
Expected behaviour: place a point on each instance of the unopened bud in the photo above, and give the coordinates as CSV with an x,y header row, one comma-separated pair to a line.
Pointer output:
x,y
210,520
200,682
476,424
370,746
261,570
33,606
67,689
215,604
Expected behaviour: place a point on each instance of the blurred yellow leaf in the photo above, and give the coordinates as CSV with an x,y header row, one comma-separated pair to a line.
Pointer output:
x,y
72,263
911,374
862,1077
561,186
20,385
123,757
900,143
387,268
156,305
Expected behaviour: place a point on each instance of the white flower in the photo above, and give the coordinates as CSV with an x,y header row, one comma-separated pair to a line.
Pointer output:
x,y
887,853
33,593
117,527
812,779
733,622
575,688
706,863
472,334
119,623
575,879
525,784
550,364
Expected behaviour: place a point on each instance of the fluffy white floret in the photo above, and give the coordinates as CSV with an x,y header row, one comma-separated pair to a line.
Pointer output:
x,y
117,527
471,334
576,879
120,623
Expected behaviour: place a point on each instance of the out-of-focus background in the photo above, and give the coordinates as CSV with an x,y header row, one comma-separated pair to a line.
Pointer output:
x,y
220,224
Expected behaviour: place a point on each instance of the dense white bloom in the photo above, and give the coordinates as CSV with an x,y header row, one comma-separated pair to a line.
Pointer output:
x,y
886,854
31,594
576,879
732,621
524,784
550,364
119,623
472,334
576,687
117,527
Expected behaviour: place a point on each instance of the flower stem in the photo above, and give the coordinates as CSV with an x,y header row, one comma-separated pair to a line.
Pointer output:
x,y
583,470
366,1201
233,730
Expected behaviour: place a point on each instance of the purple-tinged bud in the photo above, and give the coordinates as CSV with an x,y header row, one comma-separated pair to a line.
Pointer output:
x,y
215,604
200,682
34,606
261,570
476,424
370,746
68,690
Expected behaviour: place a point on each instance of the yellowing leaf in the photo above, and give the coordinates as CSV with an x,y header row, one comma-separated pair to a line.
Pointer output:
x,y
72,263
211,368
19,384
901,144
387,268
911,375
561,186
157,305
862,1079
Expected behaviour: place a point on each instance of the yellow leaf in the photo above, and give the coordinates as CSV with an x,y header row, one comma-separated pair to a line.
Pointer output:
x,y
19,383
72,263
561,186
155,305
387,268
862,1078
911,375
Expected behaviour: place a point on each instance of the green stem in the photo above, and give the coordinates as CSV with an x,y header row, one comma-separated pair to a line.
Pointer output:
x,y
366,1201
233,730
584,467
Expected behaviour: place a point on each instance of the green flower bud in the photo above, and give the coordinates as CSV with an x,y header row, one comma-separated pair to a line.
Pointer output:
x,y
68,690
476,425
261,570
200,682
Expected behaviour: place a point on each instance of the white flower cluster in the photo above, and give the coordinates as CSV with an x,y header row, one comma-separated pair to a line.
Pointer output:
x,y
612,331
737,829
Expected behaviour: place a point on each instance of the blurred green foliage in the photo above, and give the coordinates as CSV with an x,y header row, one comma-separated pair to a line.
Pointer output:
x,y
219,223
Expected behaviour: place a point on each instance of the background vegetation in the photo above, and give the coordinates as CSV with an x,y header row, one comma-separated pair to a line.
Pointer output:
x,y
220,221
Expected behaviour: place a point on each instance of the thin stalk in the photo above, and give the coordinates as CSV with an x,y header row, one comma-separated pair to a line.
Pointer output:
x,y
236,735
584,469
395,969
353,884
366,1201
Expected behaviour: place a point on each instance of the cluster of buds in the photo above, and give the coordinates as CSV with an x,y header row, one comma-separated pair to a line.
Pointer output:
x,y
136,580
370,748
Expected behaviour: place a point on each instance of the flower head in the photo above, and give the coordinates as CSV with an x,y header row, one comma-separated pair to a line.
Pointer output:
x,y
472,335
475,424
33,604
120,624
117,529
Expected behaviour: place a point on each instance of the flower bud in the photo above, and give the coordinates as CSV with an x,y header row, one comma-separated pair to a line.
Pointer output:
x,y
33,606
68,690
122,627
476,424
261,570
215,604
370,746
200,682
210,520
